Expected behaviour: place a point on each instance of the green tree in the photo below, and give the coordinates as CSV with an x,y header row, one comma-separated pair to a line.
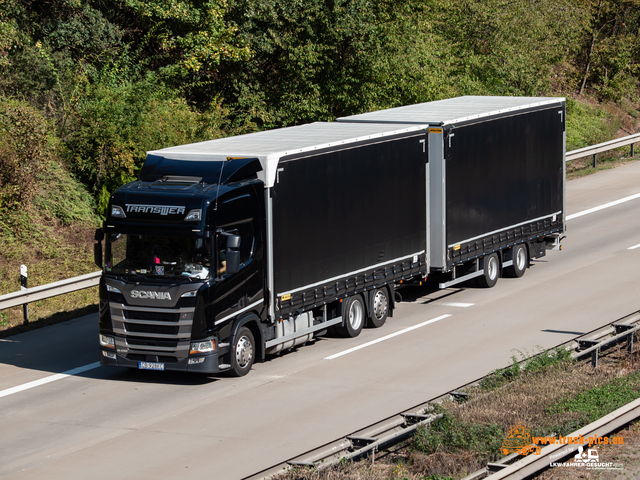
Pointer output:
x,y
610,51
116,122
184,40
26,148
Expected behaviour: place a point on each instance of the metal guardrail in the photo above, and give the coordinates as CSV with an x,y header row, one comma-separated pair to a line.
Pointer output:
x,y
603,147
49,290
92,279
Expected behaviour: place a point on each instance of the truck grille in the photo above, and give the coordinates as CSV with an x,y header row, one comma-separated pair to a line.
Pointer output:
x,y
151,316
151,342
144,332
158,329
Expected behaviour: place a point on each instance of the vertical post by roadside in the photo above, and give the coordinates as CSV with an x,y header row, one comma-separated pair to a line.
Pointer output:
x,y
23,286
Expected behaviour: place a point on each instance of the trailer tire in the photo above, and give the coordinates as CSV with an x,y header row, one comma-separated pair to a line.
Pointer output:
x,y
353,317
379,308
243,353
491,271
520,261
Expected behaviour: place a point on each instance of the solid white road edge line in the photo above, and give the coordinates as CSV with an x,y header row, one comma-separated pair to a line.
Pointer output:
x,y
634,247
49,379
602,207
382,339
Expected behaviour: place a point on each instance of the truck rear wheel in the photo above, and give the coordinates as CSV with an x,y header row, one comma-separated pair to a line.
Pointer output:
x,y
379,308
491,271
352,317
520,262
243,353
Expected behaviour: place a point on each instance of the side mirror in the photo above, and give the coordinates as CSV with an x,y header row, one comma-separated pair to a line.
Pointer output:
x,y
97,254
233,254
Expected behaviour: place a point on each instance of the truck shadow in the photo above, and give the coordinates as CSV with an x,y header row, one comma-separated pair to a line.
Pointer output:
x,y
126,375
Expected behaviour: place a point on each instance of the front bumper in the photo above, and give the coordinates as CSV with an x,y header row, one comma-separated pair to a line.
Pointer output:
x,y
212,363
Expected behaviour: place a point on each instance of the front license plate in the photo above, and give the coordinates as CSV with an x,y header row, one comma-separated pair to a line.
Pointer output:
x,y
150,366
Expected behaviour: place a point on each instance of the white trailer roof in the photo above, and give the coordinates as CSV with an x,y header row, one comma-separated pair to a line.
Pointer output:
x,y
271,145
452,110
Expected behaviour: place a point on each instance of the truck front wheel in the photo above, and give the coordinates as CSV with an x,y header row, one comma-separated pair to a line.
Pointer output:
x,y
491,271
352,317
243,353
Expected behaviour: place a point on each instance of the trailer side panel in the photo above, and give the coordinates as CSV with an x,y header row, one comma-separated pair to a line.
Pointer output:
x,y
504,182
347,220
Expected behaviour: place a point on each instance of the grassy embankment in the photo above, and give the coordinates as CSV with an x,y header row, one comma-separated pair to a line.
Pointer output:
x,y
54,239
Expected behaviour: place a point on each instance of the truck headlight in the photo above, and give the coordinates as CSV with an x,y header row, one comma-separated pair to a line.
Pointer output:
x,y
112,289
106,341
202,347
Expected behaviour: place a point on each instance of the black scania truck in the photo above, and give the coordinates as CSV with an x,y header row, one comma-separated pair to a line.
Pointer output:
x,y
225,251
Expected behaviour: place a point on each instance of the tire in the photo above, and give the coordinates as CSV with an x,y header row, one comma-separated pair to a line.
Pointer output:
x,y
353,317
243,353
491,271
379,308
520,261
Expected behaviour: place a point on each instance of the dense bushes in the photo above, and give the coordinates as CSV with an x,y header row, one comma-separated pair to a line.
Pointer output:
x,y
25,149
100,83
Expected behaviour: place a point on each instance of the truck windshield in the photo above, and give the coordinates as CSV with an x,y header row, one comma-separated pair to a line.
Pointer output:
x,y
128,254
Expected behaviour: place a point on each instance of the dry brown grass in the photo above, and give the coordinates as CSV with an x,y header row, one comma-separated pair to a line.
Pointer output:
x,y
526,400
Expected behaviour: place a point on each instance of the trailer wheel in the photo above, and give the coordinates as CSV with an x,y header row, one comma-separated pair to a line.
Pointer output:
x,y
243,353
379,308
491,271
520,262
353,317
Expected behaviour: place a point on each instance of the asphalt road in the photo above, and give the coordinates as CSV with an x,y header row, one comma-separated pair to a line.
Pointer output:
x,y
113,423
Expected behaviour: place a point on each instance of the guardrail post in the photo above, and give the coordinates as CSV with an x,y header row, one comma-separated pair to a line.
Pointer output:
x,y
632,150
630,342
595,160
23,286
594,358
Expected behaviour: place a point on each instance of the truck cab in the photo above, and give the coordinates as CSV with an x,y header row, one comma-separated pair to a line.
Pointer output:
x,y
183,252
